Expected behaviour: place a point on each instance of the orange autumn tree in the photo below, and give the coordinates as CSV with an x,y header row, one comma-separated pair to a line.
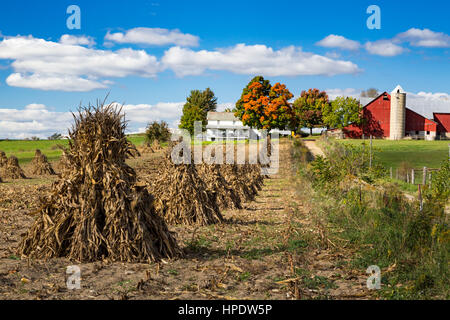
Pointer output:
x,y
263,106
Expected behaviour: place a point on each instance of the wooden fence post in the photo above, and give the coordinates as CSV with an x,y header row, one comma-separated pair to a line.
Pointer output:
x,y
407,177
424,178
370,165
429,179
390,172
413,178
420,198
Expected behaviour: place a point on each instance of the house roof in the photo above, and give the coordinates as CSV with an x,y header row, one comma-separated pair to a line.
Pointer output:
x,y
221,116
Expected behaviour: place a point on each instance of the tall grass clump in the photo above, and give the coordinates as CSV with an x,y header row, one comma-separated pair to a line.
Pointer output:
x,y
410,244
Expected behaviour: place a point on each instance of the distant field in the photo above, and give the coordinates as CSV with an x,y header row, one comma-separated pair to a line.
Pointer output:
x,y
418,153
24,150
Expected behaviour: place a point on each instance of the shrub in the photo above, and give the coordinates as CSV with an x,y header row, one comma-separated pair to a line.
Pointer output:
x,y
157,131
385,229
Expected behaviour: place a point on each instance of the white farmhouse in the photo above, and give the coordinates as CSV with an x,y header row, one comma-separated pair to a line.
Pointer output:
x,y
225,126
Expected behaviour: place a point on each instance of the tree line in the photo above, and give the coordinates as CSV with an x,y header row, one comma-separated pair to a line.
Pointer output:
x,y
266,106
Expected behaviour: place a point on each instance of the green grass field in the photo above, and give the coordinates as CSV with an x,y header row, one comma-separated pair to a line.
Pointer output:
x,y
417,153
24,150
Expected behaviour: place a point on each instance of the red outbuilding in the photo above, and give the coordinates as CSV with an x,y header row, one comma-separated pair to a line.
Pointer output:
x,y
387,116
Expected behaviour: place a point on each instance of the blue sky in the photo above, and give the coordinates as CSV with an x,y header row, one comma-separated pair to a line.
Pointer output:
x,y
221,45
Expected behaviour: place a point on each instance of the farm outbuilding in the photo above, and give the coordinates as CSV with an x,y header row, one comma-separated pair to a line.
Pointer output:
x,y
387,116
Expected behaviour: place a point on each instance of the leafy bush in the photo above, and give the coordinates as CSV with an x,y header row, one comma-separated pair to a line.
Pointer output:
x,y
157,131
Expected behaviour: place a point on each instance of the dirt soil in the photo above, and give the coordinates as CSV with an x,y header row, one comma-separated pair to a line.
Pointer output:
x,y
315,150
271,249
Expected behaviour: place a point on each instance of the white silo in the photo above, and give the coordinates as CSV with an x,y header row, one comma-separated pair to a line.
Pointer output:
x,y
398,114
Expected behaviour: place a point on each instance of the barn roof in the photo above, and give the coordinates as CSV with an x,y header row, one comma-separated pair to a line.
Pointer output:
x,y
421,105
427,107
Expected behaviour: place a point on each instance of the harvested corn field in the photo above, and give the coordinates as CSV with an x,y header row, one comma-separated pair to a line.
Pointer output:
x,y
250,255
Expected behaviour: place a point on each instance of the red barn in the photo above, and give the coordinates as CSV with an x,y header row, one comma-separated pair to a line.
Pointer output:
x,y
386,116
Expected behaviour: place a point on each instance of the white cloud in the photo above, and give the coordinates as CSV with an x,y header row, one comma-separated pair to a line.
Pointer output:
x,y
77,40
53,82
390,47
221,107
36,106
424,38
47,65
336,41
38,120
385,48
348,92
333,55
254,59
32,120
144,113
154,36
437,95
424,103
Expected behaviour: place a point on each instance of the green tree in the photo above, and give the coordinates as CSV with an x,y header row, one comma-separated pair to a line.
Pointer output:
x,y
370,93
157,131
55,136
307,109
341,112
196,108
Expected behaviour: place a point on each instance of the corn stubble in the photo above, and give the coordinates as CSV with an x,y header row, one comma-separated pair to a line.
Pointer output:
x,y
97,210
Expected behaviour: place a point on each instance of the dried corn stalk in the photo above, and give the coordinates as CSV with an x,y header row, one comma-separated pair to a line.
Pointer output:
x,y
40,164
3,159
182,197
97,210
12,169
226,197
156,146
147,148
238,182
